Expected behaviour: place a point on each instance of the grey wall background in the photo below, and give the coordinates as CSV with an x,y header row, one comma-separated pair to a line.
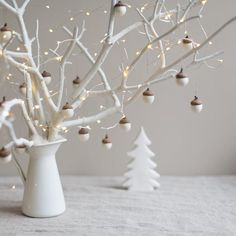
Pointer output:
x,y
185,143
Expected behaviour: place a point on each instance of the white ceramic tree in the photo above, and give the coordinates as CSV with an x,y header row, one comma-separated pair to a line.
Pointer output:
x,y
141,175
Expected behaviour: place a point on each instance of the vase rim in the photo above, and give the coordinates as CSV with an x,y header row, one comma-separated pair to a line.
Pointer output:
x,y
50,143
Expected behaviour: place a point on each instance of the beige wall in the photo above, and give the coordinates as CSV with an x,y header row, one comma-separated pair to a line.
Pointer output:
x,y
185,143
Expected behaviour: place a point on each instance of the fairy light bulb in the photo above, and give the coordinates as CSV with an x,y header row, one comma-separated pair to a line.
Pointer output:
x,y
125,73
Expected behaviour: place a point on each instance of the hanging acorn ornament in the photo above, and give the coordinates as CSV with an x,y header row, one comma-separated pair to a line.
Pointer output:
x,y
125,124
106,142
5,155
22,88
76,82
67,110
187,42
3,101
20,149
5,33
120,8
84,134
181,78
196,105
148,96
47,77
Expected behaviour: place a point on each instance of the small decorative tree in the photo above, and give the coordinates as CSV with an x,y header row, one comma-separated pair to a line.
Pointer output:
x,y
141,175
48,116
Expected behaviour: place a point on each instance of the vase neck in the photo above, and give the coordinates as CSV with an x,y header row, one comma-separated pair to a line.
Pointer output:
x,y
45,150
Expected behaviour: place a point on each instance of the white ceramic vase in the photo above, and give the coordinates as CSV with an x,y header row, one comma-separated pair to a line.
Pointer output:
x,y
43,194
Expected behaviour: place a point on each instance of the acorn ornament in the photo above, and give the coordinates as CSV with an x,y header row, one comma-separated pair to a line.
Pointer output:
x,y
47,77
67,110
5,155
84,134
20,149
76,82
125,124
196,105
120,8
5,33
148,96
181,78
187,42
22,88
106,142
3,101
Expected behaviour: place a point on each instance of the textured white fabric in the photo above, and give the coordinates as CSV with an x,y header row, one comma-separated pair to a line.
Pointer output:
x,y
97,206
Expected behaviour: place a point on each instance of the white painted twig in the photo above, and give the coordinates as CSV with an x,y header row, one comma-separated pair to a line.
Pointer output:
x,y
38,44
63,64
6,107
92,60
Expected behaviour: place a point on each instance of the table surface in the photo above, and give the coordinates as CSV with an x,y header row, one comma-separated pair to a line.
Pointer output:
x,y
99,206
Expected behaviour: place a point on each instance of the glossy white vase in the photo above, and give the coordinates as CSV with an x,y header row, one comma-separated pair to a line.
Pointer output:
x,y
43,194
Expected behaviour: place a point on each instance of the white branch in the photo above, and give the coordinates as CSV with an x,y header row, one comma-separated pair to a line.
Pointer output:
x,y
91,119
8,6
63,63
6,107
24,5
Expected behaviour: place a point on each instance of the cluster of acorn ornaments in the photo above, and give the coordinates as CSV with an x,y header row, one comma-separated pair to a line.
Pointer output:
x,y
46,76
183,80
124,124
84,136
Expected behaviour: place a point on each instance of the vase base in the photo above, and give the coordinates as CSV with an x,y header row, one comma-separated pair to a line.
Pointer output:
x,y
33,215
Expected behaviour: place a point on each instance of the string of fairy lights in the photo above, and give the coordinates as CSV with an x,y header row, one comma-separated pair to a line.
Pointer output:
x,y
124,68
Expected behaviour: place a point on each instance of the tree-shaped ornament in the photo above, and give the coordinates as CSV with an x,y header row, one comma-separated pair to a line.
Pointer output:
x,y
141,175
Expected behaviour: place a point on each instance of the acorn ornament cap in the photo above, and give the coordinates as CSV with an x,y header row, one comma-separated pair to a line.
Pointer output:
x,y
120,8
47,77
5,33
181,78
23,88
20,149
3,101
148,96
67,110
76,82
187,42
84,134
125,124
5,155
196,105
106,142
